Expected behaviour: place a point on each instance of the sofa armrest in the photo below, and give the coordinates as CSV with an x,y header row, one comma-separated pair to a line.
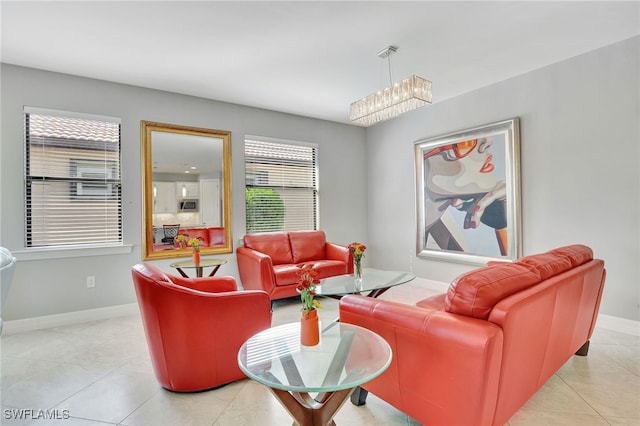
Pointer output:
x,y
207,284
337,252
439,360
255,269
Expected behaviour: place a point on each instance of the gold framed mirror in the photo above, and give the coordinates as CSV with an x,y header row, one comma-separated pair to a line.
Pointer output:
x,y
187,189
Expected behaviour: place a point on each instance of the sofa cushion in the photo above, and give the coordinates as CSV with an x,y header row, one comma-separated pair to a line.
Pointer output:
x,y
288,274
577,253
216,236
435,303
273,244
547,264
307,245
475,293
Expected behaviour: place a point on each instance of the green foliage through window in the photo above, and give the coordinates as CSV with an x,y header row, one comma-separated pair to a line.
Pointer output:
x,y
265,210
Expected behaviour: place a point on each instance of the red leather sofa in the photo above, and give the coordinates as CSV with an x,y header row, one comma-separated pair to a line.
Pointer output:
x,y
195,326
212,236
475,355
269,261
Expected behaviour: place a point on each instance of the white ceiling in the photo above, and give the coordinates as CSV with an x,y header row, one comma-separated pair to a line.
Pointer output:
x,y
305,58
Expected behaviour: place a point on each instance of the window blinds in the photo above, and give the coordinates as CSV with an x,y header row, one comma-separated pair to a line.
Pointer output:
x,y
281,185
72,179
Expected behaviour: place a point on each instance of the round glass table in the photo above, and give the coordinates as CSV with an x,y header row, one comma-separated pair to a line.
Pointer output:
x,y
374,281
204,263
346,357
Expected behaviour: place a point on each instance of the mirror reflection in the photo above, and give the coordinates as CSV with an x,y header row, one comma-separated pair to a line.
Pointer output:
x,y
187,189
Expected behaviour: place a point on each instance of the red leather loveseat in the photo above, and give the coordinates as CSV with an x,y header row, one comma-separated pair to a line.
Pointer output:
x,y
269,261
475,355
212,236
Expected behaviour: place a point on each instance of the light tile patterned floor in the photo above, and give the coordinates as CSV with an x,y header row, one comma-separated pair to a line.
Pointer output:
x,y
100,372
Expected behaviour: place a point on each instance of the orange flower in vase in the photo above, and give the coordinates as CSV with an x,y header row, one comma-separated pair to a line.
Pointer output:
x,y
309,325
194,243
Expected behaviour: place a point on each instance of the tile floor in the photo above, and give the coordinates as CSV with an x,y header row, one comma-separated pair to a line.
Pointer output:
x,y
98,373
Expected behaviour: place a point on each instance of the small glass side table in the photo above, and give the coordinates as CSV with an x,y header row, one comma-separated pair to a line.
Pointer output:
x,y
204,263
346,357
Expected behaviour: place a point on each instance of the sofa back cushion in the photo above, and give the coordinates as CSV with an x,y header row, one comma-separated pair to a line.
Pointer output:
x,y
475,293
307,245
273,244
577,253
547,264
216,236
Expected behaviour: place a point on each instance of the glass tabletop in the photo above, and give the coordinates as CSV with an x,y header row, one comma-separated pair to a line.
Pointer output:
x,y
372,279
347,356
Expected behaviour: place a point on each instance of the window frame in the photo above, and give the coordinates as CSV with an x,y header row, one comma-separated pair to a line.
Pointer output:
x,y
260,179
111,179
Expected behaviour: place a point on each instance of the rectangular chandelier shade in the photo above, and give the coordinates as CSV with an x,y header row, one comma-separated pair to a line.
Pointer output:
x,y
407,95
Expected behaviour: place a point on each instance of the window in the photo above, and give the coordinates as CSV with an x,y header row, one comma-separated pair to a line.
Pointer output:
x,y
281,185
72,179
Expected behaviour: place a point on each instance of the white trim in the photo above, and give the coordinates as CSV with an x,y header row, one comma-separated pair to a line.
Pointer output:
x,y
57,320
621,325
43,253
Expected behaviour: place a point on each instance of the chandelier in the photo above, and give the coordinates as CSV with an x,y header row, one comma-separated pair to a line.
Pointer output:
x,y
404,96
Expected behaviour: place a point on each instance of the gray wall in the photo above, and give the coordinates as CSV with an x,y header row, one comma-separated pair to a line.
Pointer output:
x,y
53,286
580,181
579,162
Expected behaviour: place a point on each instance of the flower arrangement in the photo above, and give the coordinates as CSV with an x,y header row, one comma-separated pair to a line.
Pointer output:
x,y
307,288
357,251
182,240
194,243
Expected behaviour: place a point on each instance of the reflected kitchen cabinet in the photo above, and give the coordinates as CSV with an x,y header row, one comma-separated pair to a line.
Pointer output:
x,y
164,197
187,190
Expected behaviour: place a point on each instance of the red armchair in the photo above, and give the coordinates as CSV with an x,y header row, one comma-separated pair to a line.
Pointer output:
x,y
195,326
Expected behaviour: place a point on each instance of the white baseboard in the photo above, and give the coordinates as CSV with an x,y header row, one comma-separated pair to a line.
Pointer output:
x,y
621,325
49,321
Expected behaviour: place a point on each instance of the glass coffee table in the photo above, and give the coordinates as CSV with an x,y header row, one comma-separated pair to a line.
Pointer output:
x,y
346,357
374,283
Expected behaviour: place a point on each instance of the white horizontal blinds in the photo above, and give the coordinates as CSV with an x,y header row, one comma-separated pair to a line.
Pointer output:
x,y
72,180
281,185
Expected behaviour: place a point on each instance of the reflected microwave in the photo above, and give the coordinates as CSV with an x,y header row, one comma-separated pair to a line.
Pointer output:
x,y
188,205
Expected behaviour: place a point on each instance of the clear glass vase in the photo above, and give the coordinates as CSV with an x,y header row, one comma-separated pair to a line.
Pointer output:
x,y
357,272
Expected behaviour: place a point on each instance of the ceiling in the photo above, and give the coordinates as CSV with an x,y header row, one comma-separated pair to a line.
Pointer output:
x,y
305,58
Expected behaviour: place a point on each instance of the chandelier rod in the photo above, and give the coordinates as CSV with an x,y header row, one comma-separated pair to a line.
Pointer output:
x,y
386,54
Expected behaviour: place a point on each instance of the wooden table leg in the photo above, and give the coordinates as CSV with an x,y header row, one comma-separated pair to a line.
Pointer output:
x,y
378,292
182,273
312,412
215,269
